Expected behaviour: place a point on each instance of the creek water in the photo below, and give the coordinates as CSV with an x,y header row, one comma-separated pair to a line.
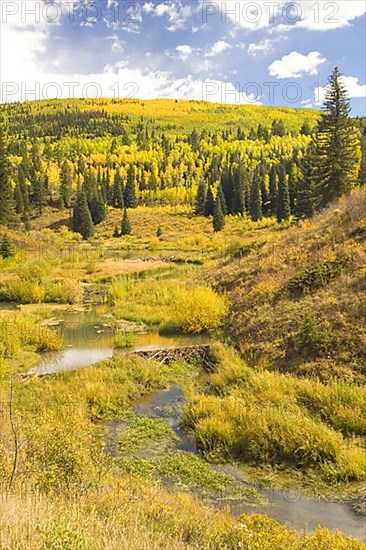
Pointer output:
x,y
89,338
289,507
89,334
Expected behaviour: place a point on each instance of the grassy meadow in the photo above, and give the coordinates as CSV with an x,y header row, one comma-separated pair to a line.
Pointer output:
x,y
288,405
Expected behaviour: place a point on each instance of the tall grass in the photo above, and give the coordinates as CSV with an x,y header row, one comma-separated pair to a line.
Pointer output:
x,y
169,303
263,417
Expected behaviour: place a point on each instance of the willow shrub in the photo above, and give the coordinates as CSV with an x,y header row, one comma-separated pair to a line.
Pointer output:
x,y
198,309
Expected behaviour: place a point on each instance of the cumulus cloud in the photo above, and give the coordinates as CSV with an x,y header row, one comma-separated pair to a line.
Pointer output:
x,y
283,15
184,51
352,84
217,48
178,14
296,65
264,47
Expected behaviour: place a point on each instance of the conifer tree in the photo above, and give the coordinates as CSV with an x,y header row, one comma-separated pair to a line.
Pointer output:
x,y
337,146
283,197
82,220
221,196
18,197
201,199
210,203
126,228
255,208
130,191
6,249
117,200
238,202
97,208
218,220
65,185
7,203
273,189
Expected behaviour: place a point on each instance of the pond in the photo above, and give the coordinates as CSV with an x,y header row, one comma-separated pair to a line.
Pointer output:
x,y
89,334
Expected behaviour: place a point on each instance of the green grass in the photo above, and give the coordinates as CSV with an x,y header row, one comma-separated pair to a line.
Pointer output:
x,y
140,430
259,417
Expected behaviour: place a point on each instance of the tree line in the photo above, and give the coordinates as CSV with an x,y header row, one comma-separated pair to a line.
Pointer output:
x,y
262,171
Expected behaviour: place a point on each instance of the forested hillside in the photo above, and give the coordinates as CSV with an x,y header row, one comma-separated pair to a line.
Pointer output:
x,y
157,151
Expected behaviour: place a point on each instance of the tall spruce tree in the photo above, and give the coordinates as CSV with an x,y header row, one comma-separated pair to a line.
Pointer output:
x,y
210,203
337,146
221,196
117,200
97,208
218,220
201,199
6,248
82,221
7,202
238,200
126,228
130,191
255,208
66,176
283,197
273,189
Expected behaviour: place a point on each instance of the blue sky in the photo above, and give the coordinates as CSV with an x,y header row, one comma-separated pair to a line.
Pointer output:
x,y
263,52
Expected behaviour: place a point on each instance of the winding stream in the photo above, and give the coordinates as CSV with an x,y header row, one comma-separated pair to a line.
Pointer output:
x,y
288,507
89,338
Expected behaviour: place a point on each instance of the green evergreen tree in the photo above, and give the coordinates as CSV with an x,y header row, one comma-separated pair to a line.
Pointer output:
x,y
7,202
21,181
201,199
238,202
6,249
66,177
273,189
126,228
337,146
283,198
218,220
97,208
27,222
210,203
130,191
306,129
255,208
82,221
18,197
117,192
221,196
159,232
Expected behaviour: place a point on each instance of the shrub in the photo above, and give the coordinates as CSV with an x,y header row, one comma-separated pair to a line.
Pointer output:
x,y
313,341
198,309
316,276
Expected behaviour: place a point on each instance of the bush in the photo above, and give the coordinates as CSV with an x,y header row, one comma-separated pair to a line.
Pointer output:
x,y
198,309
316,276
313,341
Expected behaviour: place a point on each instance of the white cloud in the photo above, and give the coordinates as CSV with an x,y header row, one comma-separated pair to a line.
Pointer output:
x,y
283,15
184,51
264,47
352,84
218,48
296,65
178,14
